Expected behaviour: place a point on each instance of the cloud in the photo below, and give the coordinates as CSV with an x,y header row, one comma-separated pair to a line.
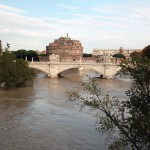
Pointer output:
x,y
11,9
20,19
135,12
93,30
17,28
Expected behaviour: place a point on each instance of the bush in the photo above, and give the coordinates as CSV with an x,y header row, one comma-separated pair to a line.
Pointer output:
x,y
15,73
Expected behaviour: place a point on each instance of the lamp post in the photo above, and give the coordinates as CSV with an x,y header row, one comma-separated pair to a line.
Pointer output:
x,y
1,48
8,46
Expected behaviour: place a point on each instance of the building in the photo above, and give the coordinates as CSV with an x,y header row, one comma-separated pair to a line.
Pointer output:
x,y
102,54
41,52
66,48
111,52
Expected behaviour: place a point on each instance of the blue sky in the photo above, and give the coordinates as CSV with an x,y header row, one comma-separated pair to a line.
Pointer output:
x,y
103,24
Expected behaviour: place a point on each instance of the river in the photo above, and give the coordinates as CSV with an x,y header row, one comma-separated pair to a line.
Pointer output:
x,y
41,117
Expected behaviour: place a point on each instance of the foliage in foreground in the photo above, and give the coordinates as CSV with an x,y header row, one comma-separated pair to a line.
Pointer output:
x,y
14,73
130,119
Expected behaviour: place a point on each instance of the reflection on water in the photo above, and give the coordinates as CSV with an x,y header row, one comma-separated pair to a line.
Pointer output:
x,y
41,118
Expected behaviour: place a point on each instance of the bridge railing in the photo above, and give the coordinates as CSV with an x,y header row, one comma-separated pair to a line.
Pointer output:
x,y
71,63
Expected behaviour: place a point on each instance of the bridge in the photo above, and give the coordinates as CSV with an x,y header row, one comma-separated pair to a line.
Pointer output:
x,y
53,69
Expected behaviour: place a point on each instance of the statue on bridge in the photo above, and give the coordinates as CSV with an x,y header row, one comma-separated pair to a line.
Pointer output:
x,y
54,58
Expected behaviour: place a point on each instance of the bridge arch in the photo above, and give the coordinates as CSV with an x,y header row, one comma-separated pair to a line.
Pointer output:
x,y
115,73
67,68
37,68
96,70
86,67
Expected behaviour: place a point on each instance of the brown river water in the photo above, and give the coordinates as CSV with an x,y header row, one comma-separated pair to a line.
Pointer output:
x,y
41,117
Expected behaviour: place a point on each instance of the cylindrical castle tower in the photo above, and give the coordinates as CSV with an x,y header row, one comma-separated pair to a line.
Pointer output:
x,y
66,48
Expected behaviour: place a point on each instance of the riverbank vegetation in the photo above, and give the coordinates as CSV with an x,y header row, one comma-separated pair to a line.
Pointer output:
x,y
14,72
127,122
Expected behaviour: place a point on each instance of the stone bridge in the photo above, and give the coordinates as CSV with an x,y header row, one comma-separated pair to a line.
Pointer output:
x,y
52,69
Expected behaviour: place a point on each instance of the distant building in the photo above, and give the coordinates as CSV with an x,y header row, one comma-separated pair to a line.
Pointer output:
x,y
101,53
40,52
43,58
108,53
66,48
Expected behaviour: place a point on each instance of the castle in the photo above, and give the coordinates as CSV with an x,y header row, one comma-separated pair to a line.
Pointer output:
x,y
66,48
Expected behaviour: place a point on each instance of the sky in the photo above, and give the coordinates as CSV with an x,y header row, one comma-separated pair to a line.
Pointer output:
x,y
102,24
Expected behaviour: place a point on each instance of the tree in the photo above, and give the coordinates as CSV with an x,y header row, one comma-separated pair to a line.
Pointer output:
x,y
146,51
136,55
138,104
130,119
15,73
87,55
22,54
119,55
33,54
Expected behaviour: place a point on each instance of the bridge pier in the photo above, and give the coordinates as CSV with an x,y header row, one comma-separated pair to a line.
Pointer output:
x,y
52,76
107,77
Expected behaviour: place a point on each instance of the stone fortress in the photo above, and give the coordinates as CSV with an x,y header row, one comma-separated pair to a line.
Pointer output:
x,y
67,49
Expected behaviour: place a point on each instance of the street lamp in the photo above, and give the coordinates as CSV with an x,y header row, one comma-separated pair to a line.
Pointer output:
x,y
8,45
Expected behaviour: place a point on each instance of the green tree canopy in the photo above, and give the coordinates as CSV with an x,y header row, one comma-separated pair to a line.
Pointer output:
x,y
33,54
136,55
87,55
15,73
22,54
146,51
119,55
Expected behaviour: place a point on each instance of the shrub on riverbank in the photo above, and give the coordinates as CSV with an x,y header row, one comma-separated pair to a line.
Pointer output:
x,y
15,73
